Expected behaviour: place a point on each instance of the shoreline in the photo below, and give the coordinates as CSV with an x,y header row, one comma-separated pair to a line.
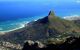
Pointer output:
x,y
22,26
3,32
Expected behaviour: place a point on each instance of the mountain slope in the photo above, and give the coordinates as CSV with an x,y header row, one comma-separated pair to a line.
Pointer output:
x,y
50,26
61,25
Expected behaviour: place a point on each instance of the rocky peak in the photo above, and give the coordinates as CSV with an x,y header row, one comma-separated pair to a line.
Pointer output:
x,y
51,16
48,18
51,13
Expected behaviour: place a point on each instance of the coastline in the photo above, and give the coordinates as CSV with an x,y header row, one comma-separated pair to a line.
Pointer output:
x,y
23,23
4,32
20,24
13,29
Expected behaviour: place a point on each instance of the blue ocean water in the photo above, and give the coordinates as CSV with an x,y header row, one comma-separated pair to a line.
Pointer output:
x,y
14,14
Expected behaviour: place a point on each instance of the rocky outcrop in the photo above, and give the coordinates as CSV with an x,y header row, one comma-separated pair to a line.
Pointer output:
x,y
8,45
30,45
71,43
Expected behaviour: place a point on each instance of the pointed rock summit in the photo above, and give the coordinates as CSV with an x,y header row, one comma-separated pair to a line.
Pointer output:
x,y
52,16
51,13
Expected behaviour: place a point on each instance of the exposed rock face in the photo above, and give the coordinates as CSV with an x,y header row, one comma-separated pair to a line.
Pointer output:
x,y
9,46
72,43
40,45
30,42
37,45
